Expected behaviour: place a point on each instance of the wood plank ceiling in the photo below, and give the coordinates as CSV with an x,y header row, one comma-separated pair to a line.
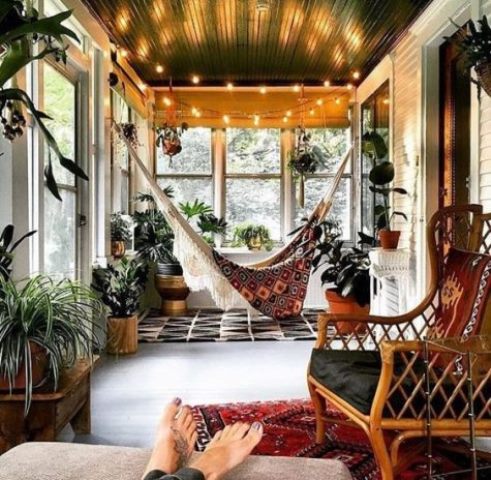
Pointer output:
x,y
254,41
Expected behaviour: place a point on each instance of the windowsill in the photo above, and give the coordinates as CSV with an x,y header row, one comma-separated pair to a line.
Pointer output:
x,y
245,251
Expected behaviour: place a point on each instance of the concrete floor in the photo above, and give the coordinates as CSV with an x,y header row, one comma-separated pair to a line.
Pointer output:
x,y
128,392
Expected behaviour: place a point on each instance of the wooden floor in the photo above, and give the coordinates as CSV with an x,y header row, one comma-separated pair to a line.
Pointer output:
x,y
128,392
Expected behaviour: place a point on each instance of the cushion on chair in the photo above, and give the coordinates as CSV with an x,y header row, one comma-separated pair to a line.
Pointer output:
x,y
463,295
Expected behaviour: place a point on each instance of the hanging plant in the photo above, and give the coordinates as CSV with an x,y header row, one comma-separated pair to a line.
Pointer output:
x,y
21,31
475,44
130,132
305,159
169,138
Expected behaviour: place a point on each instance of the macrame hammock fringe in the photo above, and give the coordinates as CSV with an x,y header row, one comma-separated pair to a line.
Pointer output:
x,y
276,286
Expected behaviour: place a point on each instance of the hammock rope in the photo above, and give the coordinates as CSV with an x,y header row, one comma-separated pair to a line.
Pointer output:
x,y
204,268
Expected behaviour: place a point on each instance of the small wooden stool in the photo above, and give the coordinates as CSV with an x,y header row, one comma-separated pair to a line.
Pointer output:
x,y
50,411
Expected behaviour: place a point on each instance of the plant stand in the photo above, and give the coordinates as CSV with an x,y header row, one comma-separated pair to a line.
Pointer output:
x,y
173,292
50,411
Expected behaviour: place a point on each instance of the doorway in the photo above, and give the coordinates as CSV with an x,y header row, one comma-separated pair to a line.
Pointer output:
x,y
455,129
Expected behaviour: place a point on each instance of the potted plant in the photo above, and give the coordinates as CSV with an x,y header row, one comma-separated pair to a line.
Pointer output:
x,y
474,42
381,176
24,38
168,137
345,272
120,287
120,235
154,243
45,326
255,237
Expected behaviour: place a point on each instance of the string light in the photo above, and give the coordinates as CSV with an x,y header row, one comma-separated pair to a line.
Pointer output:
x,y
230,86
311,111
159,69
356,74
319,101
263,90
327,83
349,86
386,101
123,52
337,101
167,101
142,87
198,114
195,112
256,120
195,79
285,119
289,113
226,119
296,87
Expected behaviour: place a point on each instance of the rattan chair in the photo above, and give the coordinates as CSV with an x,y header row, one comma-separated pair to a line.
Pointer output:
x,y
386,354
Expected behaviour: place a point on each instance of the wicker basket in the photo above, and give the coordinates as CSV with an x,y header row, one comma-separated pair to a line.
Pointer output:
x,y
484,76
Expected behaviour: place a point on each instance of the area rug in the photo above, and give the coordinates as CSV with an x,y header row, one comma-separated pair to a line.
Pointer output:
x,y
218,326
289,430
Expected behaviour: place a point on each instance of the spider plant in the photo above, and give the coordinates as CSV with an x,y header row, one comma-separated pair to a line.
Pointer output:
x,y
21,30
57,316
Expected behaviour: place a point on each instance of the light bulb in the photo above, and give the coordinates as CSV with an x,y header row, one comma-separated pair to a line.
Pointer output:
x,y
262,90
167,101
356,74
296,88
226,119
159,68
195,79
319,101
327,83
256,119
289,113
230,86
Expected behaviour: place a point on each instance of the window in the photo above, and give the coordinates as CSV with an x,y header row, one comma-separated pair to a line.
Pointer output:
x,y
253,178
190,172
60,228
251,181
334,142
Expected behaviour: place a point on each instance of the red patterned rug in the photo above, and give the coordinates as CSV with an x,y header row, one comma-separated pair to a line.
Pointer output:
x,y
289,430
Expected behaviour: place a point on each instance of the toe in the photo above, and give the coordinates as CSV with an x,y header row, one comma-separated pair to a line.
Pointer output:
x,y
170,411
215,438
254,434
182,416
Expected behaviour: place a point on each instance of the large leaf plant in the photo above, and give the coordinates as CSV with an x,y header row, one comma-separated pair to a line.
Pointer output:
x,y
24,38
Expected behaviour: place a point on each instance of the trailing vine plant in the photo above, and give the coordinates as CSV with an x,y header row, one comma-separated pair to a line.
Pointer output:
x,y
24,38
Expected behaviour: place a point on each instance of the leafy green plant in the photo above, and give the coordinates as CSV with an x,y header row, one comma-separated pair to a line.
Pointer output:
x,y
120,229
344,270
210,225
22,30
7,247
60,317
381,176
121,285
253,236
194,209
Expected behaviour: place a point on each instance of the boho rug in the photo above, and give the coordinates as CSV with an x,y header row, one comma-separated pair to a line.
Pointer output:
x,y
218,326
290,431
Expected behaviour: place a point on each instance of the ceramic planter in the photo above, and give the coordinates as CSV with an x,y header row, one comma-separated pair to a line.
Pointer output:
x,y
118,249
389,239
345,305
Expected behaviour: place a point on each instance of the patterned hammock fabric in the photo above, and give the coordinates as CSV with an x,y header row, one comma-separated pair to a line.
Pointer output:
x,y
277,291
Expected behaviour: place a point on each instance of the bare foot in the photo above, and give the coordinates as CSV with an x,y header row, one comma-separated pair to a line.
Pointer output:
x,y
229,448
176,436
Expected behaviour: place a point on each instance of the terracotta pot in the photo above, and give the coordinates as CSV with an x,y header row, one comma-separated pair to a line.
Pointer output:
x,y
118,249
122,335
39,366
483,72
173,291
389,239
345,305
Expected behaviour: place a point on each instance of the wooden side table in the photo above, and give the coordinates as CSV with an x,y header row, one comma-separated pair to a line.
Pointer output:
x,y
50,411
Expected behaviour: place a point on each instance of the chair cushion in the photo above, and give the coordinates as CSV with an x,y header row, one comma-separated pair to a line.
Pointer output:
x,y
351,375
464,293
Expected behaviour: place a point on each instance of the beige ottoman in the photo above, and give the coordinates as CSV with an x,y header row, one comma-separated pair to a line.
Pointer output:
x,y
69,461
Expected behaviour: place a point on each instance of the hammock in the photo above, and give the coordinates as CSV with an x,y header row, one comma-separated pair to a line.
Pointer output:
x,y
276,286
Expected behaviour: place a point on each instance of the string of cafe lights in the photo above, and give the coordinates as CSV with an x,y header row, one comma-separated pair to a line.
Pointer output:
x,y
307,105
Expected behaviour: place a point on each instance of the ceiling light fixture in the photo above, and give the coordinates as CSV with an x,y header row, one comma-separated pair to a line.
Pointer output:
x,y
195,79
159,69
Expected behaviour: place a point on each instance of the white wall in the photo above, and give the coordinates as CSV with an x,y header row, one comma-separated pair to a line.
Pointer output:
x,y
413,71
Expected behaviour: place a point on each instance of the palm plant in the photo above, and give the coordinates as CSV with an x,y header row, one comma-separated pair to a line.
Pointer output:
x,y
57,316
21,31
194,209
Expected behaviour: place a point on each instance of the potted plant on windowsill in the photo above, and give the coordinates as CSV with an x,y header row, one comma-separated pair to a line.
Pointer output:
x,y
120,235
345,272
120,287
254,237
45,326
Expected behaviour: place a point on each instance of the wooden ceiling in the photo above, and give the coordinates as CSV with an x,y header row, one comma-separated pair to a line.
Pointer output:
x,y
253,41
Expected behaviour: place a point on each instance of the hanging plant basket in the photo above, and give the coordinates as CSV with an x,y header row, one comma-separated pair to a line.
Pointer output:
x,y
483,72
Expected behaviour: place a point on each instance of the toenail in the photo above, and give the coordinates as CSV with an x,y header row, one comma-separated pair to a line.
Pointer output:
x,y
257,425
177,401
